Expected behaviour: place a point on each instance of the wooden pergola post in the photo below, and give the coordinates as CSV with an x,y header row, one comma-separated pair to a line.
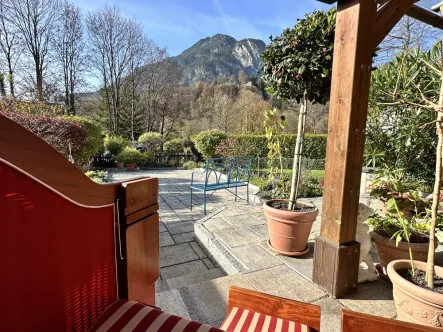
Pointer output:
x,y
361,26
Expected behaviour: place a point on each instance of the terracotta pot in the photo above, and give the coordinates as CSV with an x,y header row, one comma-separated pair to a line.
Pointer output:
x,y
130,167
413,303
288,230
120,165
388,251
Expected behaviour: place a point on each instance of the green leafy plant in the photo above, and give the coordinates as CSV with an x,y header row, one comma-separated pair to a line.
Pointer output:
x,y
115,144
129,156
152,141
147,159
274,124
298,65
175,145
190,165
207,141
94,141
98,176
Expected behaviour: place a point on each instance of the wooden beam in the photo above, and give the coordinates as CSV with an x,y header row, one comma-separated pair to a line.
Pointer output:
x,y
426,16
353,50
388,16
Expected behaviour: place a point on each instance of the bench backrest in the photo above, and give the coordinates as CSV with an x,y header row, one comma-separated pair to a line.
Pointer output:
x,y
228,170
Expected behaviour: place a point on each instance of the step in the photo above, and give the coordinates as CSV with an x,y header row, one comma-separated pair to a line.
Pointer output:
x,y
195,278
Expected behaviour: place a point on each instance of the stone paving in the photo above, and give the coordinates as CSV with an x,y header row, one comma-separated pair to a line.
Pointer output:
x,y
234,235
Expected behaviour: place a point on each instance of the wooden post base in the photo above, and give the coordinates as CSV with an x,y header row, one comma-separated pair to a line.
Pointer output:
x,y
336,266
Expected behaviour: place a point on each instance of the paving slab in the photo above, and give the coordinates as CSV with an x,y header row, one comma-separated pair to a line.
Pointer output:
x,y
235,237
198,250
183,237
195,278
166,240
209,264
162,227
302,264
215,224
330,314
244,220
374,298
182,269
179,227
172,303
285,282
261,230
254,257
207,302
177,254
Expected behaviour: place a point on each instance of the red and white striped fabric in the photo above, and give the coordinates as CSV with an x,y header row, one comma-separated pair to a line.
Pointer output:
x,y
241,320
128,316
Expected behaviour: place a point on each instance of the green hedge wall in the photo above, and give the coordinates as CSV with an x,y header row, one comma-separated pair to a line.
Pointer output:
x,y
257,145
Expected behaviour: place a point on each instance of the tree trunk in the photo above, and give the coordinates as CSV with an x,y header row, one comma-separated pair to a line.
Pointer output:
x,y
2,85
437,186
298,155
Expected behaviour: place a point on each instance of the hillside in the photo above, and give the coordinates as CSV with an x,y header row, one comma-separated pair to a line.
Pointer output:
x,y
219,55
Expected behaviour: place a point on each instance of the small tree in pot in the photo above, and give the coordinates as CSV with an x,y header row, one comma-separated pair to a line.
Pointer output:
x,y
298,65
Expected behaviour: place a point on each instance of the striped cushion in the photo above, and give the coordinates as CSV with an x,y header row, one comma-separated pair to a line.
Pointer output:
x,y
242,320
128,316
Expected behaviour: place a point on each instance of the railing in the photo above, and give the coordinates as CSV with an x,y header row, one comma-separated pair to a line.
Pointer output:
x,y
174,159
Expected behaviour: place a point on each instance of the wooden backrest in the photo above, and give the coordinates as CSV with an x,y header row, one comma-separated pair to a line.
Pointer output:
x,y
304,313
358,322
68,246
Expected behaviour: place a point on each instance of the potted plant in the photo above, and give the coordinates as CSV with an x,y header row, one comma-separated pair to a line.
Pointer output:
x,y
403,227
418,286
115,145
296,65
129,157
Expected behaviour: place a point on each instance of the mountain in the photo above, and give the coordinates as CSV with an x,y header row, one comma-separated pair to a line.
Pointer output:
x,y
219,55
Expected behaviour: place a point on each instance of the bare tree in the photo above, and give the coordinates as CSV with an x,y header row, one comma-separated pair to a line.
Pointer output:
x,y
9,41
69,47
35,21
112,40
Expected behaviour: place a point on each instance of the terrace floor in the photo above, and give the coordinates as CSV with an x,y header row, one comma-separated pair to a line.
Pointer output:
x,y
234,236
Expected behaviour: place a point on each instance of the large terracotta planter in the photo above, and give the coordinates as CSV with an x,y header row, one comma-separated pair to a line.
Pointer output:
x,y
130,167
288,230
413,303
388,251
120,165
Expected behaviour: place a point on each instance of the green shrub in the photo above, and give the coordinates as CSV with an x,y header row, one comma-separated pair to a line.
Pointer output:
x,y
147,159
257,145
152,141
261,183
93,144
175,145
115,144
207,141
190,165
98,176
130,156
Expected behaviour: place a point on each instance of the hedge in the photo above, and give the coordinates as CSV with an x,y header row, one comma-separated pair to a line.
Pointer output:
x,y
93,144
257,145
60,133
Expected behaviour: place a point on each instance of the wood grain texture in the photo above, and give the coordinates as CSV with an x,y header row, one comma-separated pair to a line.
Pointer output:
x,y
388,16
140,194
275,306
358,322
142,256
31,154
352,63
336,266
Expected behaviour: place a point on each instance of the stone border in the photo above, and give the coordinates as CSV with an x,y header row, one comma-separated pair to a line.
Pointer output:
x,y
215,250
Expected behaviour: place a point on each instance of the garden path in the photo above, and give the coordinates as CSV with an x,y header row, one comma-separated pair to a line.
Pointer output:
x,y
234,234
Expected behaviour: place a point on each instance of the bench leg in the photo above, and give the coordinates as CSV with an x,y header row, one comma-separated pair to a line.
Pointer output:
x,y
191,199
204,202
235,194
247,194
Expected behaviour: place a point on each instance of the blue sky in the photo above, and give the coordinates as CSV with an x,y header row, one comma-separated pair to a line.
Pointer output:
x,y
178,24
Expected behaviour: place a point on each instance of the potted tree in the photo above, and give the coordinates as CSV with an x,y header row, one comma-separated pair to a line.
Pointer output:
x,y
297,65
418,286
129,157
115,145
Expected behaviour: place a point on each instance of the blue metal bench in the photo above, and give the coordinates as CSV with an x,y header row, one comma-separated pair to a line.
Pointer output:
x,y
224,173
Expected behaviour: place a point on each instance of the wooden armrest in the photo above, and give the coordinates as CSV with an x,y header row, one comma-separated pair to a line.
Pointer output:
x,y
304,313
357,322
